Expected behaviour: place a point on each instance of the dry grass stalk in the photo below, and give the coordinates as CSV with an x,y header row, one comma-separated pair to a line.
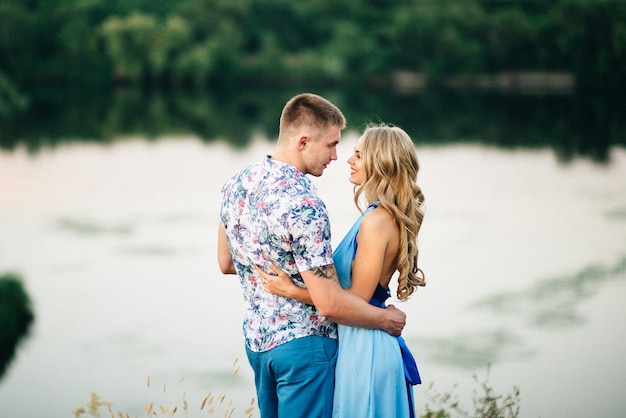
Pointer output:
x,y
223,404
185,404
250,410
205,400
148,409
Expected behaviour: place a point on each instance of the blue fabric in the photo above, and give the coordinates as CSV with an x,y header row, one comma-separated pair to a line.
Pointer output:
x,y
410,367
295,379
374,370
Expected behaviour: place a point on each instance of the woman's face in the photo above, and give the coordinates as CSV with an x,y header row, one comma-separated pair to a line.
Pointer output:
x,y
357,168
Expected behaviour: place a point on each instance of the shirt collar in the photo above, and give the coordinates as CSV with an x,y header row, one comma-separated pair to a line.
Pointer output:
x,y
287,170
284,167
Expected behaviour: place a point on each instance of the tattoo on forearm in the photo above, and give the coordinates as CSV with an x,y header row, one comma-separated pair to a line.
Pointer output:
x,y
326,272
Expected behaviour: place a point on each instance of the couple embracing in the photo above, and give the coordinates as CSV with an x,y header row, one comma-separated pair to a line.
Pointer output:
x,y
319,336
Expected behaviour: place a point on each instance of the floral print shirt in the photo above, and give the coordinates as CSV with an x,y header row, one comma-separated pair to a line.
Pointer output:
x,y
271,213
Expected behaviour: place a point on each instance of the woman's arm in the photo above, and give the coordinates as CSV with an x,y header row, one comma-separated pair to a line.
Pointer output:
x,y
282,285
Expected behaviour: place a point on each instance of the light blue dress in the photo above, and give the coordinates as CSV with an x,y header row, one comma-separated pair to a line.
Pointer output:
x,y
372,379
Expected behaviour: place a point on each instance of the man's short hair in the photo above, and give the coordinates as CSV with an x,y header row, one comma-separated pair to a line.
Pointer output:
x,y
311,110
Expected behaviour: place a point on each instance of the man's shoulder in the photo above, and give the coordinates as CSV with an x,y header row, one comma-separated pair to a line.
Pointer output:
x,y
250,169
243,174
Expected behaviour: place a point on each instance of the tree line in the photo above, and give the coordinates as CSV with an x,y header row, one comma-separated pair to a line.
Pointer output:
x,y
202,44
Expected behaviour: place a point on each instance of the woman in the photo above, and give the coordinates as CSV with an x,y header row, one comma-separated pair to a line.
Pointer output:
x,y
372,380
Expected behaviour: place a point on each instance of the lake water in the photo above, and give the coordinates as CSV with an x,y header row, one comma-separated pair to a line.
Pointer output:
x,y
525,258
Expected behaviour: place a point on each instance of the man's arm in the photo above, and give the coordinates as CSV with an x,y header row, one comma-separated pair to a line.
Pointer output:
x,y
224,257
346,308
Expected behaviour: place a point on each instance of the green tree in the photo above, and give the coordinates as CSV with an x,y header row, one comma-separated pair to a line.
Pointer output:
x,y
510,40
129,41
227,42
594,40
440,37
169,43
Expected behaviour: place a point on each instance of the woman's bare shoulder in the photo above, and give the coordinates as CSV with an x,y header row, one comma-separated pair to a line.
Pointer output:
x,y
377,218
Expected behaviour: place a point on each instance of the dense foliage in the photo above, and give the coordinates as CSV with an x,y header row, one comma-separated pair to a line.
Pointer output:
x,y
209,43
207,66
16,316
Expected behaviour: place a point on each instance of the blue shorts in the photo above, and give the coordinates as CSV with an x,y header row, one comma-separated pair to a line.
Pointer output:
x,y
296,379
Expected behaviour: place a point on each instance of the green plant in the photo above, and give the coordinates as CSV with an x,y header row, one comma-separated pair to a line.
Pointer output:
x,y
486,403
16,316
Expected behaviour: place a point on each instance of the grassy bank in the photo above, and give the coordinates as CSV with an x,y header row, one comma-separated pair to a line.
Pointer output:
x,y
486,403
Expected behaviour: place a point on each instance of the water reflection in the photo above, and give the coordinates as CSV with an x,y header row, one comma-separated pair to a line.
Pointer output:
x,y
571,124
593,127
475,349
88,227
553,302
82,228
617,214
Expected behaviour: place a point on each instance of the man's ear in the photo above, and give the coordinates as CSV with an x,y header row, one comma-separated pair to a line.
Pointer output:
x,y
302,142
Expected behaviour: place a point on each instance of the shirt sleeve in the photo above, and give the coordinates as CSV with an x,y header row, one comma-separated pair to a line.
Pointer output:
x,y
309,229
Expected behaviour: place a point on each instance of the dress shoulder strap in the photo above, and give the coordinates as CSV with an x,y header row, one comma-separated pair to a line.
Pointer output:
x,y
372,206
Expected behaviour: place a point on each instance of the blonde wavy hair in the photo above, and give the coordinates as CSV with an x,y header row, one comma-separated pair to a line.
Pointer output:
x,y
391,167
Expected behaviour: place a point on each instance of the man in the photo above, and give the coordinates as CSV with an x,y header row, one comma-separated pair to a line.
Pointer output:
x,y
271,214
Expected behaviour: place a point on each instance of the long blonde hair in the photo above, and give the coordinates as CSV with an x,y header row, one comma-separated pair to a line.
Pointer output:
x,y
391,168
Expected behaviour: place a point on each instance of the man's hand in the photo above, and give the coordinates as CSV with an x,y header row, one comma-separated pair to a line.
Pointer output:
x,y
396,320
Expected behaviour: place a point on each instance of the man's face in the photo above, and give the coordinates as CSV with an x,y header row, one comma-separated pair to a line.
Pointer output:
x,y
317,155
